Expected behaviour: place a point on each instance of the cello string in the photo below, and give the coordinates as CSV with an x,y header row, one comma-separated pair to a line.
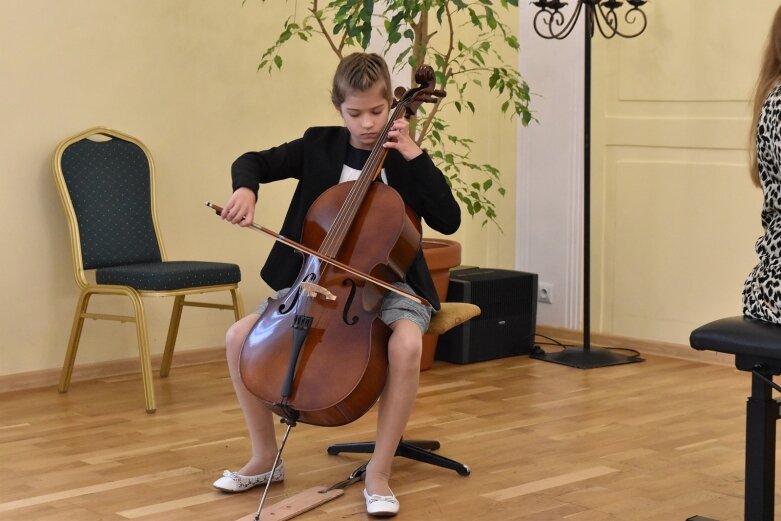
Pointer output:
x,y
356,195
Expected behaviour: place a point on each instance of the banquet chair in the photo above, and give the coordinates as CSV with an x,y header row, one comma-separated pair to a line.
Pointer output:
x,y
105,180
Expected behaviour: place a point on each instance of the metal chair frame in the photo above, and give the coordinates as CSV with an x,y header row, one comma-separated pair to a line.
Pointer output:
x,y
88,289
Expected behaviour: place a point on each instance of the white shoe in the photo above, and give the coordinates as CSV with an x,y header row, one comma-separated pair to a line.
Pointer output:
x,y
233,482
381,506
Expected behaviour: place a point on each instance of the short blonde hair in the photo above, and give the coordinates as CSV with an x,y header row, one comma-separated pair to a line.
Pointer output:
x,y
360,72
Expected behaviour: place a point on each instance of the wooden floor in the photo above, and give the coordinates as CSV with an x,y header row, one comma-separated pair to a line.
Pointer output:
x,y
656,441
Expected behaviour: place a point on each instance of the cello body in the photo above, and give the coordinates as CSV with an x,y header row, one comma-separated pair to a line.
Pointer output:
x,y
341,368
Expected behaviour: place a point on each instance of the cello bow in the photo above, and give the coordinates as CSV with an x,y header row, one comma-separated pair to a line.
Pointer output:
x,y
309,251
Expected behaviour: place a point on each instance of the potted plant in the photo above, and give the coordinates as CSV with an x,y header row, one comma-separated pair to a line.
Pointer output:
x,y
464,43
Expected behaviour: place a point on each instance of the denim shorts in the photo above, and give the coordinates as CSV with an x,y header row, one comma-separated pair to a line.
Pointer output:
x,y
394,307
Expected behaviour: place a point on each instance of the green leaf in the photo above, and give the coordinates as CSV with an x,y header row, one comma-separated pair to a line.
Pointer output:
x,y
493,79
278,61
505,105
524,92
342,12
475,19
403,55
489,17
501,191
512,41
471,106
458,106
487,184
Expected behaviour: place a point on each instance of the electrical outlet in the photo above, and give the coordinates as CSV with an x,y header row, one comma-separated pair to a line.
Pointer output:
x,y
545,293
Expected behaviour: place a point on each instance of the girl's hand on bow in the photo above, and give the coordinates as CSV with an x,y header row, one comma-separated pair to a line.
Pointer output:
x,y
240,208
399,138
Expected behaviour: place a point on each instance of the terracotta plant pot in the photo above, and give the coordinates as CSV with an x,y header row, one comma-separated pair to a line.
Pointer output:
x,y
441,255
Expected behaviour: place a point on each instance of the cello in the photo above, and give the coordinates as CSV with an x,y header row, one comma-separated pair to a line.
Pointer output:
x,y
318,354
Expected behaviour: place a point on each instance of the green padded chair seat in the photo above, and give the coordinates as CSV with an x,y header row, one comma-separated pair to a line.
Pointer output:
x,y
169,276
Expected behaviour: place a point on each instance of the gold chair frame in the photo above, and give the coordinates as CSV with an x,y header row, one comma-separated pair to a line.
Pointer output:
x,y
88,288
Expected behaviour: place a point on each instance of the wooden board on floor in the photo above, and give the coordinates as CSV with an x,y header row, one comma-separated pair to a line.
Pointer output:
x,y
295,505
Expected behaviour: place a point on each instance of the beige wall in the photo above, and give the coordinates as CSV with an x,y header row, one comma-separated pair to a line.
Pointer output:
x,y
181,76
675,215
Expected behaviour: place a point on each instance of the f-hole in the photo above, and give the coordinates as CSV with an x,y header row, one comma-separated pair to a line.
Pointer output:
x,y
282,310
350,297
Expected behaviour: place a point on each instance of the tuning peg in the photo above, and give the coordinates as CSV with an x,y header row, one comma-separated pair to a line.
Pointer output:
x,y
399,92
440,93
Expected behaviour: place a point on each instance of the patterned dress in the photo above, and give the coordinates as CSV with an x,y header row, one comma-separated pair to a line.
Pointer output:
x,y
762,290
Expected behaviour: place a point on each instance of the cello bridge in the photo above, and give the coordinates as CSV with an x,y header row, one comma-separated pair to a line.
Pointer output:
x,y
313,290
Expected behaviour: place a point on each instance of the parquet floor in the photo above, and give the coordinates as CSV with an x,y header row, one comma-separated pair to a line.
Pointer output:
x,y
656,441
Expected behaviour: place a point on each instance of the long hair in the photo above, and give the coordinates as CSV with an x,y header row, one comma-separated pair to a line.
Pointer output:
x,y
769,77
360,72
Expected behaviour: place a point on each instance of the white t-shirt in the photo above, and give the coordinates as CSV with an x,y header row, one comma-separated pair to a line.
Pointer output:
x,y
353,164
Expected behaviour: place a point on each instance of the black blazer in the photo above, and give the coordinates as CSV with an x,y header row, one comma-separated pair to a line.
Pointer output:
x,y
316,161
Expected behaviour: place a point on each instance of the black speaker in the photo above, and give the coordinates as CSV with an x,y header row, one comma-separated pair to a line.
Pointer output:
x,y
506,326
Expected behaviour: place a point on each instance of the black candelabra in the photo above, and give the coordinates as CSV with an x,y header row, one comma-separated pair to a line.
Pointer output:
x,y
553,23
